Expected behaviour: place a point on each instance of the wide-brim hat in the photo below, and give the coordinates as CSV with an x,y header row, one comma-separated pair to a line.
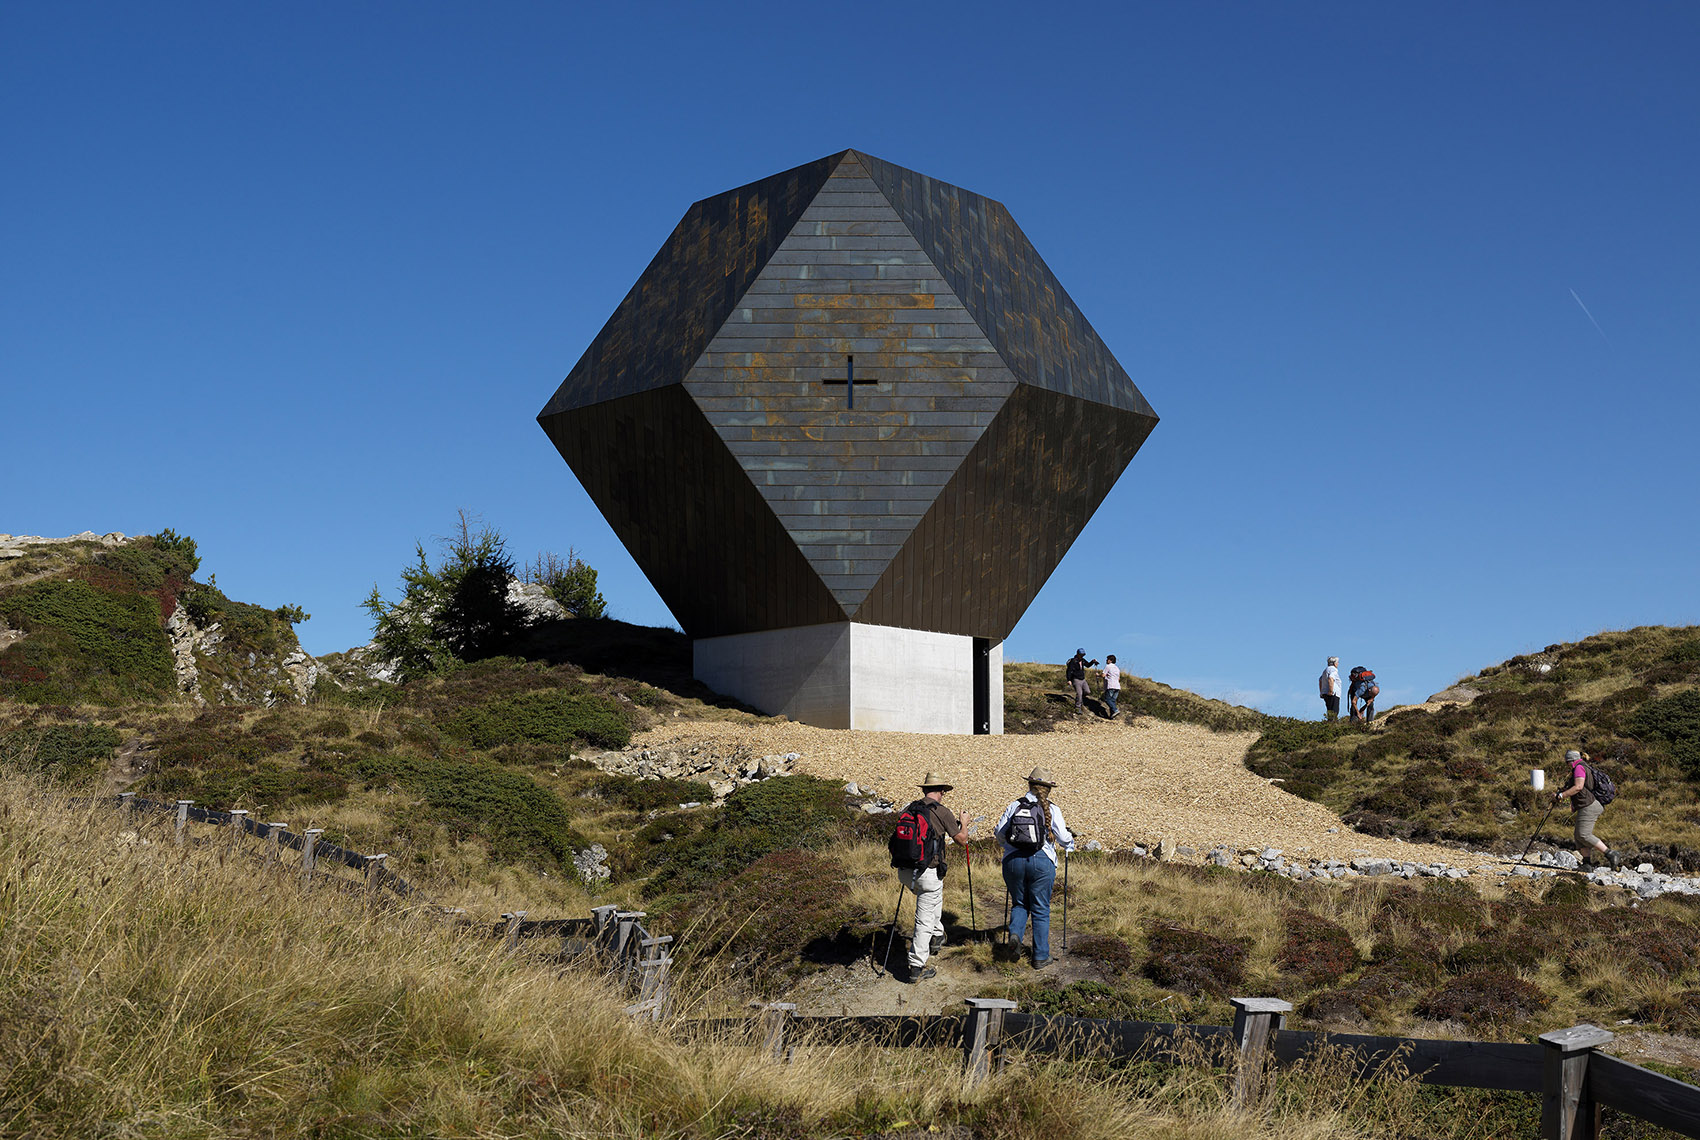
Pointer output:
x,y
933,780
1042,776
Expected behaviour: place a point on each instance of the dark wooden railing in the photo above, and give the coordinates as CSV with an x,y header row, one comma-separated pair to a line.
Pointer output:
x,y
1573,1079
617,940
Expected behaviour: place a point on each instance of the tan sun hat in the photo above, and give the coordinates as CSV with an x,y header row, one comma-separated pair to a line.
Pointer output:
x,y
1042,776
932,780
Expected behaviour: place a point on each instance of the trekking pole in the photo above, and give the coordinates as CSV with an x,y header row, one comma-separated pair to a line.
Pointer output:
x,y
1538,829
968,858
885,967
1065,902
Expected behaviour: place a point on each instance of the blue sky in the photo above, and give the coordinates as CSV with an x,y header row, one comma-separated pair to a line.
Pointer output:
x,y
296,280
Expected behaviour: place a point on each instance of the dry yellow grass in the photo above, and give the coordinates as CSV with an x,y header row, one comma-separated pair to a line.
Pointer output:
x,y
151,990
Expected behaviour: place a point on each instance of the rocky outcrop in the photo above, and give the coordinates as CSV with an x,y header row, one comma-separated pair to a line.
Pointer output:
x,y
207,672
14,545
723,772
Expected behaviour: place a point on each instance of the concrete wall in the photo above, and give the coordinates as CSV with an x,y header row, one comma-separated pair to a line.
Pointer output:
x,y
848,675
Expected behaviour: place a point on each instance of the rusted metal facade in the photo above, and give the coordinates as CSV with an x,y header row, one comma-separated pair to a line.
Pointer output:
x,y
848,393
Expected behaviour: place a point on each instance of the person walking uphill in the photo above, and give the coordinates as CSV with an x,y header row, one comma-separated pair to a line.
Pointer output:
x,y
1588,799
1112,683
1075,671
917,851
1031,829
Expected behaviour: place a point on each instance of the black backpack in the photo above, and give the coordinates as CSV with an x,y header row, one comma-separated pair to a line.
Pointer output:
x,y
915,843
1027,828
1605,788
1076,670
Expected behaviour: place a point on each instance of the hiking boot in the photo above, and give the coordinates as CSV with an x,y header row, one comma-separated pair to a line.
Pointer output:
x,y
1614,859
1041,963
922,975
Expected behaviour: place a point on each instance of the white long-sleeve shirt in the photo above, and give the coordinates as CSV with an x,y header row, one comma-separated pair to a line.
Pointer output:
x,y
1063,834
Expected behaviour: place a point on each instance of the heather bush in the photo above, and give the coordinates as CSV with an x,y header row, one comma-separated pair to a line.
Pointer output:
x,y
1483,1000
67,752
1317,951
1193,962
85,644
552,716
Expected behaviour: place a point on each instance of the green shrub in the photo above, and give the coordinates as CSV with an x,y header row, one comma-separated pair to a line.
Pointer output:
x,y
68,752
1284,734
1676,721
1109,952
647,795
85,644
551,716
772,815
519,818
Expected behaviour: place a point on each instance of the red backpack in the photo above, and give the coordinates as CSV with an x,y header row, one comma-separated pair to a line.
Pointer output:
x,y
915,843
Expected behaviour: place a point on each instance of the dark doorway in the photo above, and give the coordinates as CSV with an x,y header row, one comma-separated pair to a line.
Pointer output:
x,y
982,686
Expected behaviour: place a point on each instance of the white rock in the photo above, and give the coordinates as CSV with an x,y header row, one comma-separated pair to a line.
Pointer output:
x,y
1644,869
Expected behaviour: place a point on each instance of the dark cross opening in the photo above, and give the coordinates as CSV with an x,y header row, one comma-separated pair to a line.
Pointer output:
x,y
849,381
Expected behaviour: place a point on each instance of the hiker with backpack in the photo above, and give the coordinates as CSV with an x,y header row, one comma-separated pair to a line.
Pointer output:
x,y
1075,671
1364,688
1031,829
917,852
1329,685
1589,792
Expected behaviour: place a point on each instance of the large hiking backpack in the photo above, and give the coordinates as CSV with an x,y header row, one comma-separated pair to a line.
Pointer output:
x,y
1605,788
1027,828
1366,684
915,843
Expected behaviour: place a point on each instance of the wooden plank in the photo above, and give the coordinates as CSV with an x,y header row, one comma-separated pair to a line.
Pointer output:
x,y
1511,1066
1654,1097
1088,1036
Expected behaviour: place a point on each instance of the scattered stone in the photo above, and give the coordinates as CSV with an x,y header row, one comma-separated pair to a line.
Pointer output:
x,y
1166,850
852,788
1644,869
1094,845
592,865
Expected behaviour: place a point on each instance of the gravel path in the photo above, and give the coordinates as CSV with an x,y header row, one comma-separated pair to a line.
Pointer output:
x,y
1121,783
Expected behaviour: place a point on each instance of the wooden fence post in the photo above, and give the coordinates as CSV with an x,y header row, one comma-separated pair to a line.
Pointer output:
x,y
1568,1110
182,819
374,875
273,855
513,919
126,810
982,1036
1255,1019
628,929
775,1015
309,840
601,918
238,818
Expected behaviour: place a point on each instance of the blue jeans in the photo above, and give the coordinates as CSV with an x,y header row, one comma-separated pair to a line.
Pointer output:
x,y
1110,696
1029,879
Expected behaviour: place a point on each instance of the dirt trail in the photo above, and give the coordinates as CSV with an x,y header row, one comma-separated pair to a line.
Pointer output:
x,y
1121,783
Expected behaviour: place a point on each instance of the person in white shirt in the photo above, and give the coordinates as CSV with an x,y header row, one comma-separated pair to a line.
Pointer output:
x,y
1112,682
1329,684
1031,829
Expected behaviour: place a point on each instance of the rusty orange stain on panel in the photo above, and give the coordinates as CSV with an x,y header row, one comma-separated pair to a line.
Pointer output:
x,y
864,301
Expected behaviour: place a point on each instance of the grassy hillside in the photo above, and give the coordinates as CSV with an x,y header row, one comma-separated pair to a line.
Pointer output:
x,y
93,619
1461,772
1037,696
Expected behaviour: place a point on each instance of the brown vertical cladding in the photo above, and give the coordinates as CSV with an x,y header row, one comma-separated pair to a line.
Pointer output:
x,y
1014,507
689,515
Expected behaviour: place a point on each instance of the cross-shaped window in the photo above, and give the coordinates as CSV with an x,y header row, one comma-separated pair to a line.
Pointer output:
x,y
849,381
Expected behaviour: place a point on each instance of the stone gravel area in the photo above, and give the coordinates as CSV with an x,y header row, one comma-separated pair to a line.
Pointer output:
x,y
1124,784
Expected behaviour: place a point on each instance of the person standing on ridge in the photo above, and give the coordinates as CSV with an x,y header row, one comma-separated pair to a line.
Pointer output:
x,y
1586,805
1112,682
927,878
1329,684
1031,829
1075,671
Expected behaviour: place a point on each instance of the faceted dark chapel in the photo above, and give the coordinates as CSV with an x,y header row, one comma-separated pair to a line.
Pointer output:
x,y
848,422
